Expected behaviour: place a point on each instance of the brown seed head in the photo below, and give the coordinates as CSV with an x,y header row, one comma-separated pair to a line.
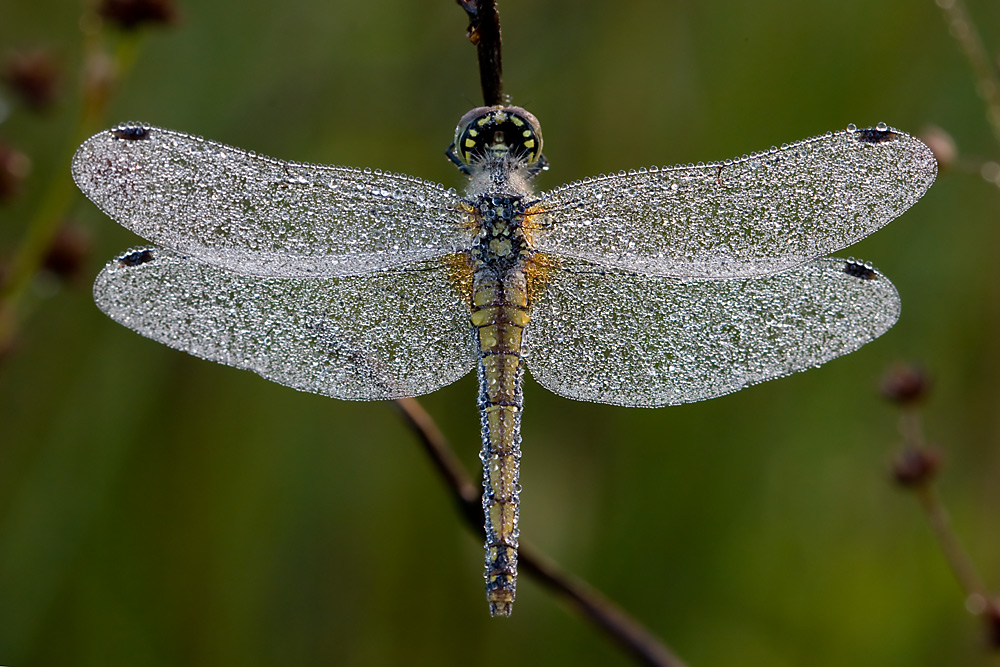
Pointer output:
x,y
904,384
34,77
992,617
14,168
132,14
8,341
67,252
915,466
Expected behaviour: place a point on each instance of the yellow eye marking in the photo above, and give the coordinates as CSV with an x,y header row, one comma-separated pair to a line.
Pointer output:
x,y
473,133
526,133
530,143
517,121
469,143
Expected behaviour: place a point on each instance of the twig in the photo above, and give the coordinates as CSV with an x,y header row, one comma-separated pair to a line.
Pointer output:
x,y
987,81
915,468
627,632
958,560
101,72
484,32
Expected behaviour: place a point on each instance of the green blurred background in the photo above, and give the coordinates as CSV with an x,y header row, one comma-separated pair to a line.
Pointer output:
x,y
156,509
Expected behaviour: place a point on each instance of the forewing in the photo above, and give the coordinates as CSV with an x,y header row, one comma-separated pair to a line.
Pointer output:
x,y
747,217
380,336
609,336
261,216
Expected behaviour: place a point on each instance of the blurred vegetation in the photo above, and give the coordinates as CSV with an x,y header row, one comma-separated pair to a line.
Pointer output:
x,y
159,510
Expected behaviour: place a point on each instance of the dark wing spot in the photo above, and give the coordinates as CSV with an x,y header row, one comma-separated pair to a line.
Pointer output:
x,y
131,133
859,269
873,136
135,258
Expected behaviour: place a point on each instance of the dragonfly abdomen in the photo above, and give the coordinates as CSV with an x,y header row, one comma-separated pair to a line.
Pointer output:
x,y
499,315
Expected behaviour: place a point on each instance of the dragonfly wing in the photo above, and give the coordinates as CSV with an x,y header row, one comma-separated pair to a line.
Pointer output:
x,y
747,217
379,336
261,216
609,336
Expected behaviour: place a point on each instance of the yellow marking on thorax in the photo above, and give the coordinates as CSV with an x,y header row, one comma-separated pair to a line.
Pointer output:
x,y
538,271
531,220
460,274
500,247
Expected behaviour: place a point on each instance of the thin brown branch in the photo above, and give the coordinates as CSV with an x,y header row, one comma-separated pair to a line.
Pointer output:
x,y
628,633
624,630
963,30
958,560
915,468
484,32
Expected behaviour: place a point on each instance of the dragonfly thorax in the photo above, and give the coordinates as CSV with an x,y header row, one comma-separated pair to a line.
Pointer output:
x,y
500,245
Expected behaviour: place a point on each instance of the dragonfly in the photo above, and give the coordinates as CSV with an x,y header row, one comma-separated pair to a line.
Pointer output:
x,y
644,288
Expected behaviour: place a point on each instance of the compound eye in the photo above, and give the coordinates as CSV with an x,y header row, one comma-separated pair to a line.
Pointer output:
x,y
499,133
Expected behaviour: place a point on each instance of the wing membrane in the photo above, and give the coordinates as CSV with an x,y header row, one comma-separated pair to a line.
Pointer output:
x,y
261,216
609,336
746,217
379,336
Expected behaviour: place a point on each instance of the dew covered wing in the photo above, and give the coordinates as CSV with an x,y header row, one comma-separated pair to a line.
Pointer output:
x,y
747,217
380,336
260,216
610,336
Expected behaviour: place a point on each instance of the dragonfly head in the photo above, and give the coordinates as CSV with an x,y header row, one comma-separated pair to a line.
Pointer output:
x,y
493,134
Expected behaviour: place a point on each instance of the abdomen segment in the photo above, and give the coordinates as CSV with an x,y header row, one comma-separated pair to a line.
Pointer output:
x,y
499,315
